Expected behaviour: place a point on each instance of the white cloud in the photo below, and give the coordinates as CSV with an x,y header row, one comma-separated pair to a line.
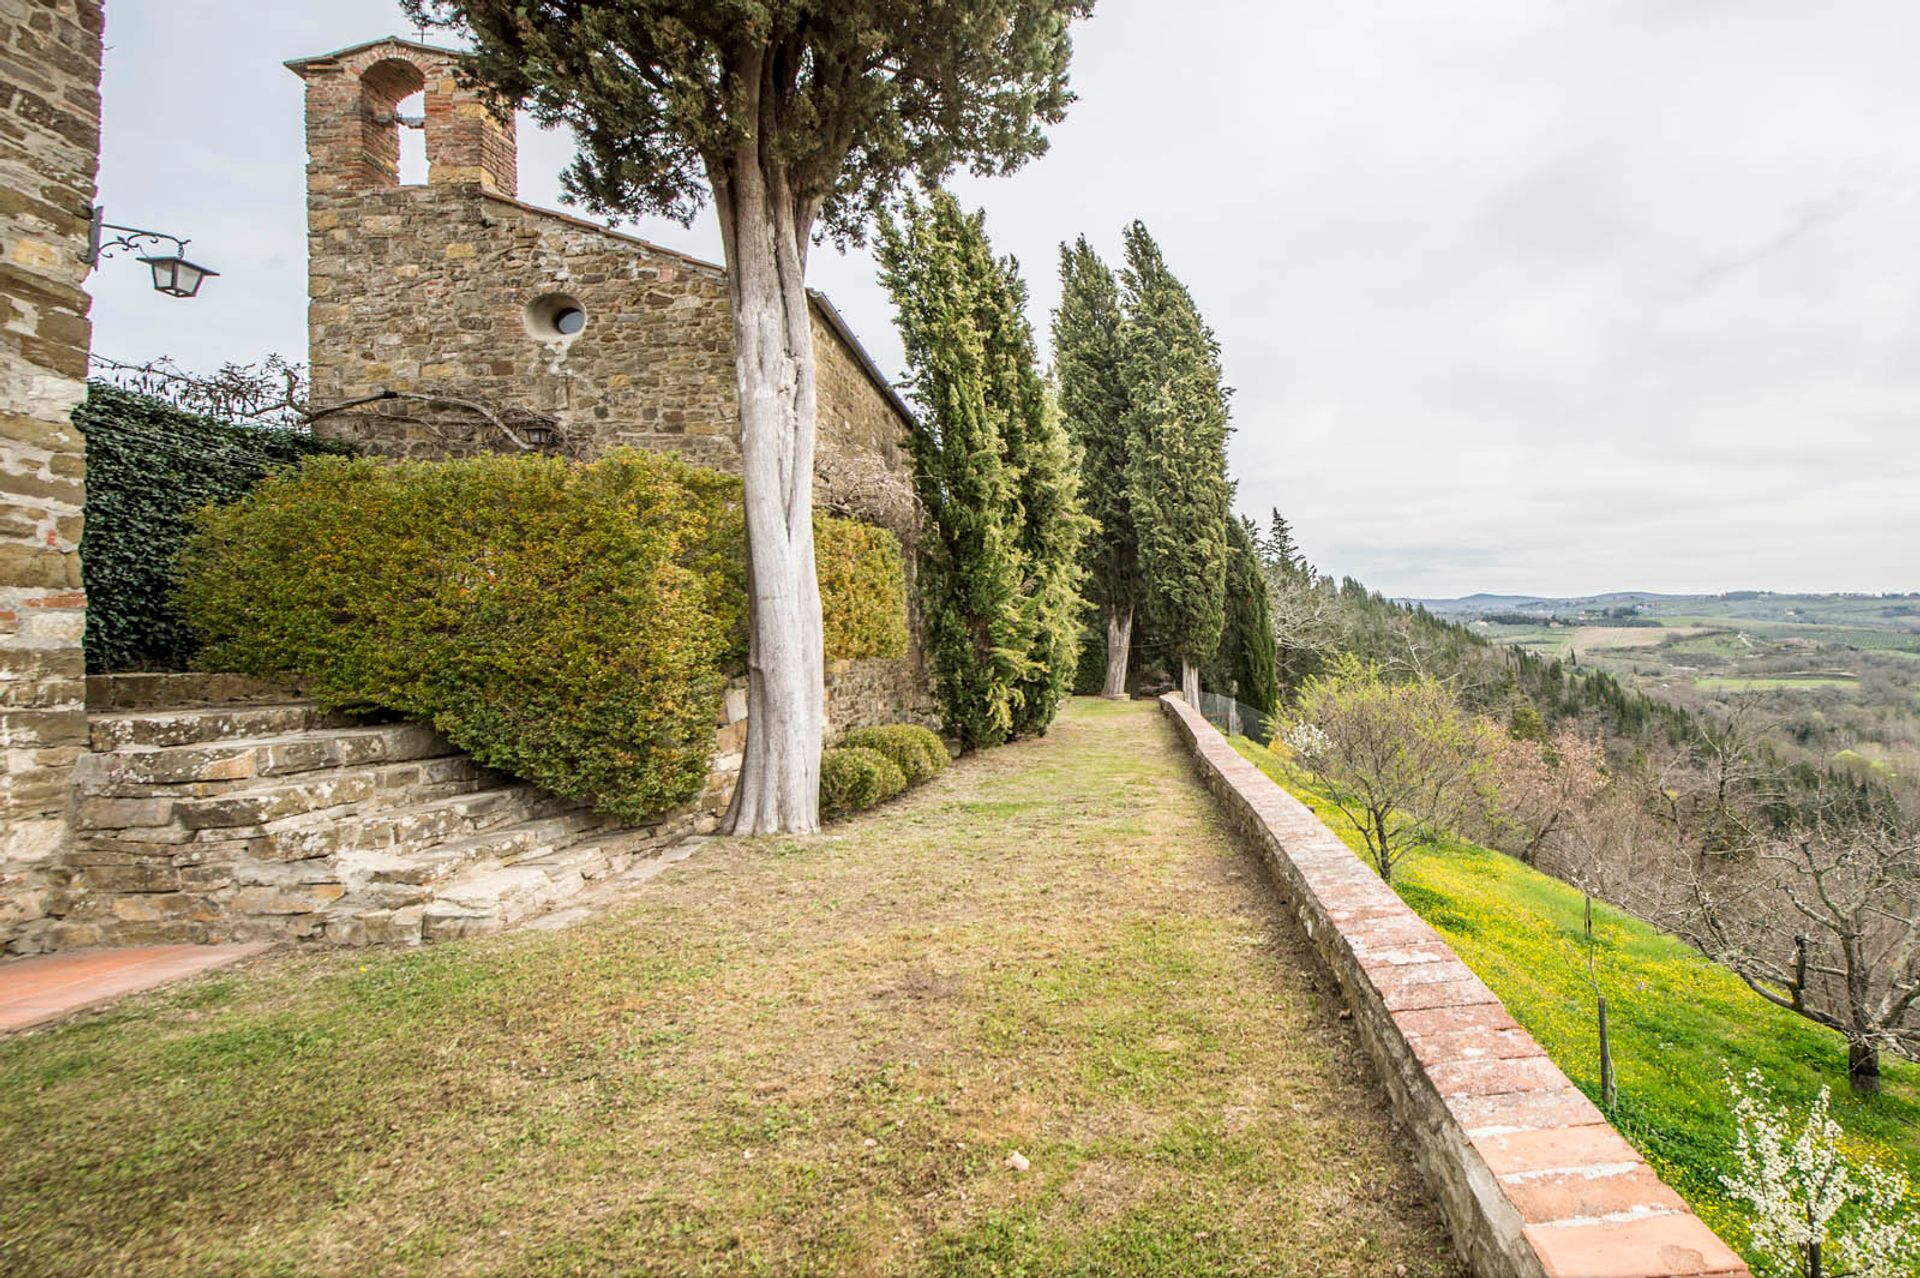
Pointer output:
x,y
1516,297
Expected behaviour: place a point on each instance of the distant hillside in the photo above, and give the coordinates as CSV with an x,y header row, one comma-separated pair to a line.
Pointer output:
x,y
1899,612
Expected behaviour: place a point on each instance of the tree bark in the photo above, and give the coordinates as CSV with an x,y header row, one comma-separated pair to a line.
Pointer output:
x,y
1190,682
765,230
1119,639
1863,1068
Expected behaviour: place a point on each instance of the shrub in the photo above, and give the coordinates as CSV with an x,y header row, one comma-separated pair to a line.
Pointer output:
x,y
854,778
149,467
917,752
863,589
571,624
564,623
861,570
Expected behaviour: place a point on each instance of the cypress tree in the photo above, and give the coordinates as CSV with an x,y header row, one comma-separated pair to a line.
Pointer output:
x,y
1050,524
1177,462
995,471
1249,657
1087,357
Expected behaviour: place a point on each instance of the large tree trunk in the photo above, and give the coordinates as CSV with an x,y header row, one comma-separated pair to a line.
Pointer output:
x,y
1119,639
1190,682
766,232
1863,1068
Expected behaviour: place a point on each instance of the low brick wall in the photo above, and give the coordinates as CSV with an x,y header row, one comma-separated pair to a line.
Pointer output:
x,y
1533,1180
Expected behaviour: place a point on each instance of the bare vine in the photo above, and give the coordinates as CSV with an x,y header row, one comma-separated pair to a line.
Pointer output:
x,y
276,392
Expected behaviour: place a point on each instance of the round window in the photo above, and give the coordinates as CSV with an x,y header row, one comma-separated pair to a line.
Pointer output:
x,y
555,317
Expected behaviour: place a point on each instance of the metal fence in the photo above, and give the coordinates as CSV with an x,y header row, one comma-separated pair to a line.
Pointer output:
x,y
1235,718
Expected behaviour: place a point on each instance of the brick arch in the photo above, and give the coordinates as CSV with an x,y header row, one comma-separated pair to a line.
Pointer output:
x,y
353,138
383,87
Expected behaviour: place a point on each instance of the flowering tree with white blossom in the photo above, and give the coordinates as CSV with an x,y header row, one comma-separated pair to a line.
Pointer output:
x,y
1815,1213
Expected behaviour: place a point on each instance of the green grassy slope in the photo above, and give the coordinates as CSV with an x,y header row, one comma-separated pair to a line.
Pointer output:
x,y
1674,1016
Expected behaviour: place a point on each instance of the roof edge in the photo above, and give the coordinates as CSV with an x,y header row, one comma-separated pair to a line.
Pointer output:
x,y
296,65
844,332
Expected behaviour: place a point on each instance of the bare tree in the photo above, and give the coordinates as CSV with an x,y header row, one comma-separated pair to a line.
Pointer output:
x,y
1825,922
1400,760
1538,790
1709,792
1306,618
272,391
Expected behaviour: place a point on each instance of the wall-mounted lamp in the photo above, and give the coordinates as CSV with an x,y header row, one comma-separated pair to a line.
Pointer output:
x,y
173,274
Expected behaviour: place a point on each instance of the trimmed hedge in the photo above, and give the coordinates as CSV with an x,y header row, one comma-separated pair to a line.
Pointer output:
x,y
571,624
854,778
564,623
863,584
149,467
863,589
916,751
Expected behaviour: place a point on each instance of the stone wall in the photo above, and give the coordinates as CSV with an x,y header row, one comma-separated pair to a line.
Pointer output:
x,y
446,288
217,808
49,149
1533,1180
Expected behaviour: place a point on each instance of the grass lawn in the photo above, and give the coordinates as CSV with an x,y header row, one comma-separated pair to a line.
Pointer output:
x,y
807,1056
1674,1017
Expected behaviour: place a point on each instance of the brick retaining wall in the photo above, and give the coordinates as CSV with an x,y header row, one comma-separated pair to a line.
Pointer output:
x,y
1533,1180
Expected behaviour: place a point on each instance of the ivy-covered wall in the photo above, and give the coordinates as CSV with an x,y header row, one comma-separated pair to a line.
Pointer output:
x,y
149,467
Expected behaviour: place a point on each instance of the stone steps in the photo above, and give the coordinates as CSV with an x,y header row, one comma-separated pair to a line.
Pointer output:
x,y
488,897
212,759
193,726
214,808
272,818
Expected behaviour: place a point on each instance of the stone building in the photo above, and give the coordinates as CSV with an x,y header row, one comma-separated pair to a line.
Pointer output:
x,y
505,325
453,287
49,151
205,807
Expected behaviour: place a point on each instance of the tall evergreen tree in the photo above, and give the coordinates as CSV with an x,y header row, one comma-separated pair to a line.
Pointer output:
x,y
996,473
1177,462
1051,526
1280,551
796,116
1248,660
1087,357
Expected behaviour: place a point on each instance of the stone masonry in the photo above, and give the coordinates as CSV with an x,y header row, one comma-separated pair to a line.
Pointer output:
x,y
49,149
449,289
219,808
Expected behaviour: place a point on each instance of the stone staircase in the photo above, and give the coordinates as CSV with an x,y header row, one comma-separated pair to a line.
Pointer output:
x,y
256,818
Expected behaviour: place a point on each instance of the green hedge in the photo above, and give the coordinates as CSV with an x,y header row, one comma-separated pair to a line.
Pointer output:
x,y
917,752
560,622
863,585
149,467
863,589
854,778
571,624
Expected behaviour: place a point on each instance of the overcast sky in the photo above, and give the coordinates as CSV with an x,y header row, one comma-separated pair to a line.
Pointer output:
x,y
1515,296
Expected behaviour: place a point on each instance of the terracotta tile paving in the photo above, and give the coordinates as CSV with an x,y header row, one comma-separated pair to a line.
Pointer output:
x,y
50,985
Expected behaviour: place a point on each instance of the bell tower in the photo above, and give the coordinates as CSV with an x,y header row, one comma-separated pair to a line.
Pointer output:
x,y
354,119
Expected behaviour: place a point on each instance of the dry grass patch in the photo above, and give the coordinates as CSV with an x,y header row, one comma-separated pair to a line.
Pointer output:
x,y
798,1056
